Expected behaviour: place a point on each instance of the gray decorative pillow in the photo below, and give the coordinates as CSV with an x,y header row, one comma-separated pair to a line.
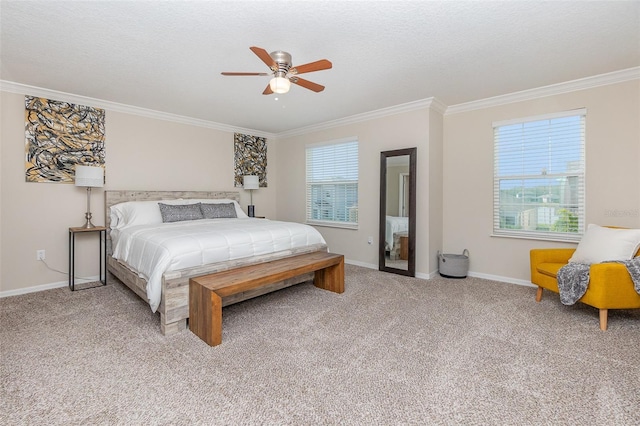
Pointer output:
x,y
218,210
180,212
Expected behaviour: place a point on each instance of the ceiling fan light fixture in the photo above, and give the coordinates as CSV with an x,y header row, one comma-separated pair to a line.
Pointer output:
x,y
283,71
279,85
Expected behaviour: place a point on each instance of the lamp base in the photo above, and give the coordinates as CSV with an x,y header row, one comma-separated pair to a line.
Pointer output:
x,y
87,215
251,210
88,224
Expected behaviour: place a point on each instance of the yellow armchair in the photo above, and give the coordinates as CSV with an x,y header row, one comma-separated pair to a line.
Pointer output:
x,y
610,285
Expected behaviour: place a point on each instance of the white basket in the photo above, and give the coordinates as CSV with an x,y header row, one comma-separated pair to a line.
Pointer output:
x,y
453,265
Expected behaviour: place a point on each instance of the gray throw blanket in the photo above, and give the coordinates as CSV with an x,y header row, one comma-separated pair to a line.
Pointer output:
x,y
573,279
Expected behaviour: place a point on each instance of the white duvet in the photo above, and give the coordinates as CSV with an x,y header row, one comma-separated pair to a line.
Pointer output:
x,y
152,250
395,224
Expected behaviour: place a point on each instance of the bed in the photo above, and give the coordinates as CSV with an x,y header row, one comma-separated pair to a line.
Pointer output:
x,y
395,227
162,279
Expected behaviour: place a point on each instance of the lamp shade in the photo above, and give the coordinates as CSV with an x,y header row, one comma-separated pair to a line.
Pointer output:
x,y
279,85
92,176
250,182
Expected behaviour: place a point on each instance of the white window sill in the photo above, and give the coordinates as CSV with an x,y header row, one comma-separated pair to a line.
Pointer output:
x,y
330,224
558,239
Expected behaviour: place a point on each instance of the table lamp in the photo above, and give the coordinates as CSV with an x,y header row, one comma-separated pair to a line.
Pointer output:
x,y
90,177
251,182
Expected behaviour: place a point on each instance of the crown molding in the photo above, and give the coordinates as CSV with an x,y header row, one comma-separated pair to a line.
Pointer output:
x,y
551,90
433,103
438,106
371,115
11,87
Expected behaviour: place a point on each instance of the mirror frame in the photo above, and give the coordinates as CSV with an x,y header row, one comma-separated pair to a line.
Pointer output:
x,y
412,153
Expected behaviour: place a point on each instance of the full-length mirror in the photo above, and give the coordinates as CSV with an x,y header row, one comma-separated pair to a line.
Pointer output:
x,y
398,211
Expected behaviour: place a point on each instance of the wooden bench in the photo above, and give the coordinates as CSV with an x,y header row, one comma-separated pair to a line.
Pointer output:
x,y
206,292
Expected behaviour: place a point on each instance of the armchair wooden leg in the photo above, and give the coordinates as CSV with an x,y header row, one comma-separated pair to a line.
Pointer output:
x,y
603,319
539,294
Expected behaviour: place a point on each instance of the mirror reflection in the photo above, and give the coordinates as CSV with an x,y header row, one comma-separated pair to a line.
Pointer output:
x,y
396,235
397,211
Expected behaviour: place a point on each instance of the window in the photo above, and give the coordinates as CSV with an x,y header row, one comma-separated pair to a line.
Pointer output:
x,y
332,184
538,183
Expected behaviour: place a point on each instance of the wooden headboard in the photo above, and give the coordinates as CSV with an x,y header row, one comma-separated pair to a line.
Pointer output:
x,y
115,197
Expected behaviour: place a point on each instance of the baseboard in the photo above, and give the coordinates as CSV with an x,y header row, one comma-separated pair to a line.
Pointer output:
x,y
427,276
44,287
363,264
372,266
420,275
501,279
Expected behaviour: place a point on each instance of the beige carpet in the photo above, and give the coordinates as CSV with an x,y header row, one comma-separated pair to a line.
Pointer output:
x,y
390,350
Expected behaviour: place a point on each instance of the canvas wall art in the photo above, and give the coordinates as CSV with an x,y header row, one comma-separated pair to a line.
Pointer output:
x,y
250,158
59,136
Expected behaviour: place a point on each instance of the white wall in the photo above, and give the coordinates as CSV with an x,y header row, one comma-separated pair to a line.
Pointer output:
x,y
402,130
141,154
454,181
612,173
435,202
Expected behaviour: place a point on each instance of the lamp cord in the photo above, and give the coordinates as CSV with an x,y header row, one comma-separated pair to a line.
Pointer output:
x,y
62,272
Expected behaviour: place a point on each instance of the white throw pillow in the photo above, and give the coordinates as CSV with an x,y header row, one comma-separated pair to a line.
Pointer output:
x,y
132,213
600,244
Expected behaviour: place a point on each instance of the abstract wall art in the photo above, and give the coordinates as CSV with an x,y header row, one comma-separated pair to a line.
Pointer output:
x,y
59,136
250,158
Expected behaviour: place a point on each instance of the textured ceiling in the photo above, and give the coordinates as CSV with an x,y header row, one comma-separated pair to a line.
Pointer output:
x,y
167,56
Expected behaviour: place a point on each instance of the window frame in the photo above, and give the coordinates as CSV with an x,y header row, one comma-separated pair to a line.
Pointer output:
x,y
309,184
572,177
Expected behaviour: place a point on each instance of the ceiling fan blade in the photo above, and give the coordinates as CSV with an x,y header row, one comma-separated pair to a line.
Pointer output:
x,y
307,84
322,64
244,73
264,56
268,90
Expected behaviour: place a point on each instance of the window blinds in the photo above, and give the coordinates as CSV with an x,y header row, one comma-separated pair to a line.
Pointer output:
x,y
332,184
539,186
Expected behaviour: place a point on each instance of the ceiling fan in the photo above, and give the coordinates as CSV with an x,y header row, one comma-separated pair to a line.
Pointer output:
x,y
283,71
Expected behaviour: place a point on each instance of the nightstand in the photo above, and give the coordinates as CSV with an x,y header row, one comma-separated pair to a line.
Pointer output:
x,y
102,234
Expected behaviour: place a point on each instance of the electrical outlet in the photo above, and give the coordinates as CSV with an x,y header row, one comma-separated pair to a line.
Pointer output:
x,y
370,240
40,255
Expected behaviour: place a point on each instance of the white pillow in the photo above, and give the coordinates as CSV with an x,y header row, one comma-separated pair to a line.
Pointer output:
x,y
239,212
600,244
132,213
